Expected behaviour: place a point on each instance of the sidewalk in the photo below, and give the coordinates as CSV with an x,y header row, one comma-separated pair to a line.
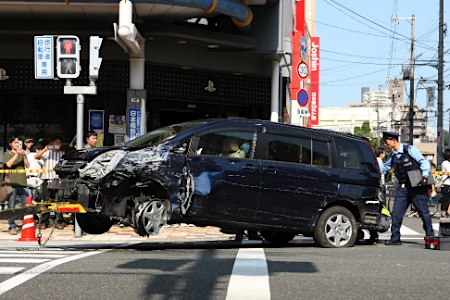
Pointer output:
x,y
176,232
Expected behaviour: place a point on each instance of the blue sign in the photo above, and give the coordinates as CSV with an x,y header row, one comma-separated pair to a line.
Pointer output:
x,y
302,97
96,118
134,118
43,57
303,45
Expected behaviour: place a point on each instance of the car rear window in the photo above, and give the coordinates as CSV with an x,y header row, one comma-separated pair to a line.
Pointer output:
x,y
349,155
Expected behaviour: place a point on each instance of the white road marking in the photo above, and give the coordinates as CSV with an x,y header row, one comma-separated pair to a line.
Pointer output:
x,y
32,255
436,228
31,273
250,276
408,231
10,270
44,251
23,260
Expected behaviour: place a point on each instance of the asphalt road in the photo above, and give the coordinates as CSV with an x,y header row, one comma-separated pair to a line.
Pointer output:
x,y
228,270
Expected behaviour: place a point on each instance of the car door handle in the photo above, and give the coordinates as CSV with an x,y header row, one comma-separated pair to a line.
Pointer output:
x,y
250,168
271,170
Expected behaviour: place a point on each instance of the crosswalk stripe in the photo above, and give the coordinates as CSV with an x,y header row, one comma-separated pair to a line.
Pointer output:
x,y
39,269
44,252
250,276
23,260
10,270
408,231
32,255
436,228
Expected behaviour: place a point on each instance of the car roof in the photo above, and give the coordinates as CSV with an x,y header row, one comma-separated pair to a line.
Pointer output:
x,y
282,127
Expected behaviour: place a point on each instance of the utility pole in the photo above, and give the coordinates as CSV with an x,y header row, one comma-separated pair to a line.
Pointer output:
x,y
411,87
411,82
378,123
440,137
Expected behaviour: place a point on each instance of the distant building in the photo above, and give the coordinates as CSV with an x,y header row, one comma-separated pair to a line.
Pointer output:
x,y
384,109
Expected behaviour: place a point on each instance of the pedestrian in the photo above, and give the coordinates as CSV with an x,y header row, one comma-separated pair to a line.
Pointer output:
x,y
91,140
29,142
381,155
404,158
34,180
15,159
445,188
50,155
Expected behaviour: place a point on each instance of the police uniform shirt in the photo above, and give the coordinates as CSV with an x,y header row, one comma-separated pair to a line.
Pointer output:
x,y
414,153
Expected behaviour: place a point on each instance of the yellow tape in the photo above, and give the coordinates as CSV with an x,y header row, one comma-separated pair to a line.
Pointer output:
x,y
8,171
441,173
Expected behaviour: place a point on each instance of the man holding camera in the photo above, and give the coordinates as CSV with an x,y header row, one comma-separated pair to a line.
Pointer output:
x,y
404,159
50,156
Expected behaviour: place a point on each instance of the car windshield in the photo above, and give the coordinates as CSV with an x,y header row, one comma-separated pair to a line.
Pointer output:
x,y
159,135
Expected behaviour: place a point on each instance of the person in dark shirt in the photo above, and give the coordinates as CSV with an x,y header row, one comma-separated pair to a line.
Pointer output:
x,y
405,158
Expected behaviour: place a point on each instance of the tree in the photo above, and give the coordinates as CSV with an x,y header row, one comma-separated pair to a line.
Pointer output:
x,y
365,131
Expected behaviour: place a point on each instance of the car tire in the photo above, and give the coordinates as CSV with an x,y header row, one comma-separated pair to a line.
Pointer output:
x,y
336,228
150,217
93,223
278,238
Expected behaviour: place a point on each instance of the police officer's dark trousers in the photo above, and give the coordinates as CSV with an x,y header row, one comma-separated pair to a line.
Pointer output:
x,y
403,197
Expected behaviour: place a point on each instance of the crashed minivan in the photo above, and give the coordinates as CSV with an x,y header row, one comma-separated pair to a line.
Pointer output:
x,y
282,180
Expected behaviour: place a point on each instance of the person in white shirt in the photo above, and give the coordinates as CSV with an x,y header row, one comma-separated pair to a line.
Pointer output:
x,y
34,178
381,155
50,155
445,188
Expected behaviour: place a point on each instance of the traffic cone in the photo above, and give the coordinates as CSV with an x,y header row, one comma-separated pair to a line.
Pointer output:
x,y
27,234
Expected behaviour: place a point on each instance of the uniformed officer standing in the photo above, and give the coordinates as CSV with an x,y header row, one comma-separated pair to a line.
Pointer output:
x,y
403,160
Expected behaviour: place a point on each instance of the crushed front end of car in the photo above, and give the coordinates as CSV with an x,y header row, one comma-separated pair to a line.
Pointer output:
x,y
117,185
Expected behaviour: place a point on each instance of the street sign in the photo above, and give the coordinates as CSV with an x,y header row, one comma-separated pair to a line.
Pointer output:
x,y
134,123
302,70
302,97
303,46
43,57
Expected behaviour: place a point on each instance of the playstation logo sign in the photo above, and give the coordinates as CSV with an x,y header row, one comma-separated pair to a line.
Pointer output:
x,y
210,87
3,75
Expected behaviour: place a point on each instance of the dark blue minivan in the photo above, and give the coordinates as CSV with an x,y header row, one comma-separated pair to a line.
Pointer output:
x,y
279,179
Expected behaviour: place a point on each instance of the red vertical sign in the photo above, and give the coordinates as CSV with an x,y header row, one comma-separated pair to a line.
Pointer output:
x,y
296,46
314,86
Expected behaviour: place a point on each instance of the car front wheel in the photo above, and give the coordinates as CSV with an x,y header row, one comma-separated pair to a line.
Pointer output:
x,y
93,222
150,217
336,228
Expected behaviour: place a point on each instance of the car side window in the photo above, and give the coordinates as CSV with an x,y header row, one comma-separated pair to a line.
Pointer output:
x,y
234,144
298,150
321,153
349,155
289,149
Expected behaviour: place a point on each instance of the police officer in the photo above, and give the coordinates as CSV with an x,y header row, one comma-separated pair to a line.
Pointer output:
x,y
404,158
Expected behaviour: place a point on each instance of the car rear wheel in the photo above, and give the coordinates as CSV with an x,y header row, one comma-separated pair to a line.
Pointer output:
x,y
278,238
336,228
93,222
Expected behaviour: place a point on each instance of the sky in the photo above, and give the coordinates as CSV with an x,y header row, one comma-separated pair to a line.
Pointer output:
x,y
362,47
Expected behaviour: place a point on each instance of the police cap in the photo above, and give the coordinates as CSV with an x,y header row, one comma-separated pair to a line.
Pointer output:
x,y
390,135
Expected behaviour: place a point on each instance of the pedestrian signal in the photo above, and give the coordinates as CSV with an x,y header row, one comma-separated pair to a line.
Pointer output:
x,y
68,56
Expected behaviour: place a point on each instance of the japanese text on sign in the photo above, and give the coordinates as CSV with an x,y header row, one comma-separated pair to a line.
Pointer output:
x,y
43,57
134,123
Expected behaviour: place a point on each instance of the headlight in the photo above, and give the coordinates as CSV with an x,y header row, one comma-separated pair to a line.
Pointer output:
x,y
103,164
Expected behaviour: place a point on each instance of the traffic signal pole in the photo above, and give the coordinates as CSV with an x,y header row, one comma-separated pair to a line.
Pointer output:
x,y
94,66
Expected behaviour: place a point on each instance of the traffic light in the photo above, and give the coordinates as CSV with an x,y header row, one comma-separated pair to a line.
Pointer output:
x,y
95,60
68,56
